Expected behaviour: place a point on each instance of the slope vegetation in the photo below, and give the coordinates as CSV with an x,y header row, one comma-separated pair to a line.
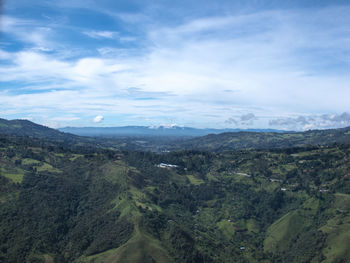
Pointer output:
x,y
62,203
267,140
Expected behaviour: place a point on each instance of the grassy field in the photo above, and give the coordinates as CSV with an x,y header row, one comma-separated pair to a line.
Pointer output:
x,y
194,180
16,178
45,167
75,156
14,174
227,228
280,233
140,248
338,230
28,161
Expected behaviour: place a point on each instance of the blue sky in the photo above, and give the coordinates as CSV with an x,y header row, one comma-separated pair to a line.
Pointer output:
x,y
235,64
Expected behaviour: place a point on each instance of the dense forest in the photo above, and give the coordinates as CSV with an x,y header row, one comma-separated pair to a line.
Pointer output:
x,y
68,200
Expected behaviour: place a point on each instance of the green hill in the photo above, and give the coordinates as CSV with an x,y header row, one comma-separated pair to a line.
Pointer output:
x,y
31,129
62,203
28,129
267,140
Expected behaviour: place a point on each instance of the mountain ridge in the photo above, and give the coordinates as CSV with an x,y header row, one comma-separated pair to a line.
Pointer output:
x,y
268,140
21,127
165,139
153,131
26,128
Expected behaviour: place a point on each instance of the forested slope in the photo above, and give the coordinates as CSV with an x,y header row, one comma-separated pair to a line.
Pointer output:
x,y
267,140
26,128
67,204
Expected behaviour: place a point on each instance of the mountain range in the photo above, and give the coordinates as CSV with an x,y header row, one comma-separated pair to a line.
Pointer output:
x,y
152,131
163,139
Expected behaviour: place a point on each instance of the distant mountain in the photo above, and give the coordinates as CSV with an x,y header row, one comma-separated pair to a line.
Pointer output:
x,y
152,131
267,140
164,139
33,130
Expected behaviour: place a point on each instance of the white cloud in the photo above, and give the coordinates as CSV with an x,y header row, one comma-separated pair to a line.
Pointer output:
x,y
98,119
28,31
248,117
102,34
261,57
323,121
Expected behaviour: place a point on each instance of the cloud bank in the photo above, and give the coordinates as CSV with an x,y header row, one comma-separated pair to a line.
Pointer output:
x,y
313,122
281,67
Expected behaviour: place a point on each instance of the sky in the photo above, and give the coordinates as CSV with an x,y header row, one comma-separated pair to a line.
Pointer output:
x,y
205,64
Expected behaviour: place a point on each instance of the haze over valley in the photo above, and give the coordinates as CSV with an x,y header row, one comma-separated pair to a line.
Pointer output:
x,y
174,131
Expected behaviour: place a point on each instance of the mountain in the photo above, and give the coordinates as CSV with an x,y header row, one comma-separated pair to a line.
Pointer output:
x,y
267,140
31,129
151,131
28,129
164,139
60,204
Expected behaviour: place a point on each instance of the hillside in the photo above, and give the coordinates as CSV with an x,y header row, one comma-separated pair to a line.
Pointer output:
x,y
171,139
64,204
31,129
267,140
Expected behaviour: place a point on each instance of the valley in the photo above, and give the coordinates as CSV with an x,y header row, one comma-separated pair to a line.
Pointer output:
x,y
64,202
